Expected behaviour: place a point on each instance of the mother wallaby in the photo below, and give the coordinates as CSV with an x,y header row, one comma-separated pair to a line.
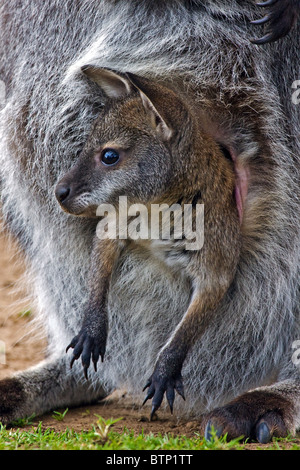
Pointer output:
x,y
242,371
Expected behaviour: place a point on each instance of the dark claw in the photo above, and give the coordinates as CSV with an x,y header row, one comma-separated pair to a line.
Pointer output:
x,y
281,18
153,410
85,371
72,344
264,40
263,20
86,353
149,395
212,429
268,3
147,385
158,386
87,347
96,353
170,395
77,350
157,399
179,387
263,434
72,361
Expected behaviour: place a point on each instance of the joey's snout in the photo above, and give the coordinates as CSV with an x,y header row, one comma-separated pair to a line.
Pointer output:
x,y
62,192
74,197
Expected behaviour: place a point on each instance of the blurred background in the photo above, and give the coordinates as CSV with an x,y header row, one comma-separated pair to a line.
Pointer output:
x,y
21,344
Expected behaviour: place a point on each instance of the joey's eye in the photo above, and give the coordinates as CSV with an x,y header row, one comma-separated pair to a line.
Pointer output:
x,y
110,157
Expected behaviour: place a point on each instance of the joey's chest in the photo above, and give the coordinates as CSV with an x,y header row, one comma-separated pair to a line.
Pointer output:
x,y
172,254
170,235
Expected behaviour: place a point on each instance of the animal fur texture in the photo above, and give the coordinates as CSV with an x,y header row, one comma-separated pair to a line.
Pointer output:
x,y
148,149
245,93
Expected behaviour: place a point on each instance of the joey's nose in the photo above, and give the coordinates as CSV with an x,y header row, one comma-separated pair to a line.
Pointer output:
x,y
62,192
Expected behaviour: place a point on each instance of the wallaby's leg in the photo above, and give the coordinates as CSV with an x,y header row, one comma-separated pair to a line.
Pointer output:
x,y
259,414
42,388
166,377
91,340
211,271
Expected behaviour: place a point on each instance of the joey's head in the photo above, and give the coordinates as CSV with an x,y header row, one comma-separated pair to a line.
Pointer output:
x,y
131,150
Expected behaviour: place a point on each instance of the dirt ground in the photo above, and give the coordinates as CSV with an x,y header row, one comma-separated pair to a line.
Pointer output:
x,y
23,348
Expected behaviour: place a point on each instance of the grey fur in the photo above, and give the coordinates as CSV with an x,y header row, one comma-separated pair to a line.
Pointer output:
x,y
245,91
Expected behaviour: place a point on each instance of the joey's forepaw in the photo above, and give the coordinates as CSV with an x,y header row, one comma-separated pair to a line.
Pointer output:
x,y
88,347
280,17
160,384
257,415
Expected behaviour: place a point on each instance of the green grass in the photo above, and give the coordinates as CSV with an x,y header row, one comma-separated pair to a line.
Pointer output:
x,y
59,416
25,313
102,437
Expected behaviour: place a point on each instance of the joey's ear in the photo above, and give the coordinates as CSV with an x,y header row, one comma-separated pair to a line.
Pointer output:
x,y
113,84
164,106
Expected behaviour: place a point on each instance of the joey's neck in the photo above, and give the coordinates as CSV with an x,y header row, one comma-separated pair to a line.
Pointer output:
x,y
200,168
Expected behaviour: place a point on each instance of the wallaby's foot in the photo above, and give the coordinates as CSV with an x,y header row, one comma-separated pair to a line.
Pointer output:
x,y
281,16
161,383
257,415
87,346
12,398
43,388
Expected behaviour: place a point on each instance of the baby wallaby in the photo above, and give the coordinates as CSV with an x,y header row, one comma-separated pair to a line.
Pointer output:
x,y
148,145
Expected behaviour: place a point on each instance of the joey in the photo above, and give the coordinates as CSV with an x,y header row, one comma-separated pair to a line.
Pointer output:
x,y
149,145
